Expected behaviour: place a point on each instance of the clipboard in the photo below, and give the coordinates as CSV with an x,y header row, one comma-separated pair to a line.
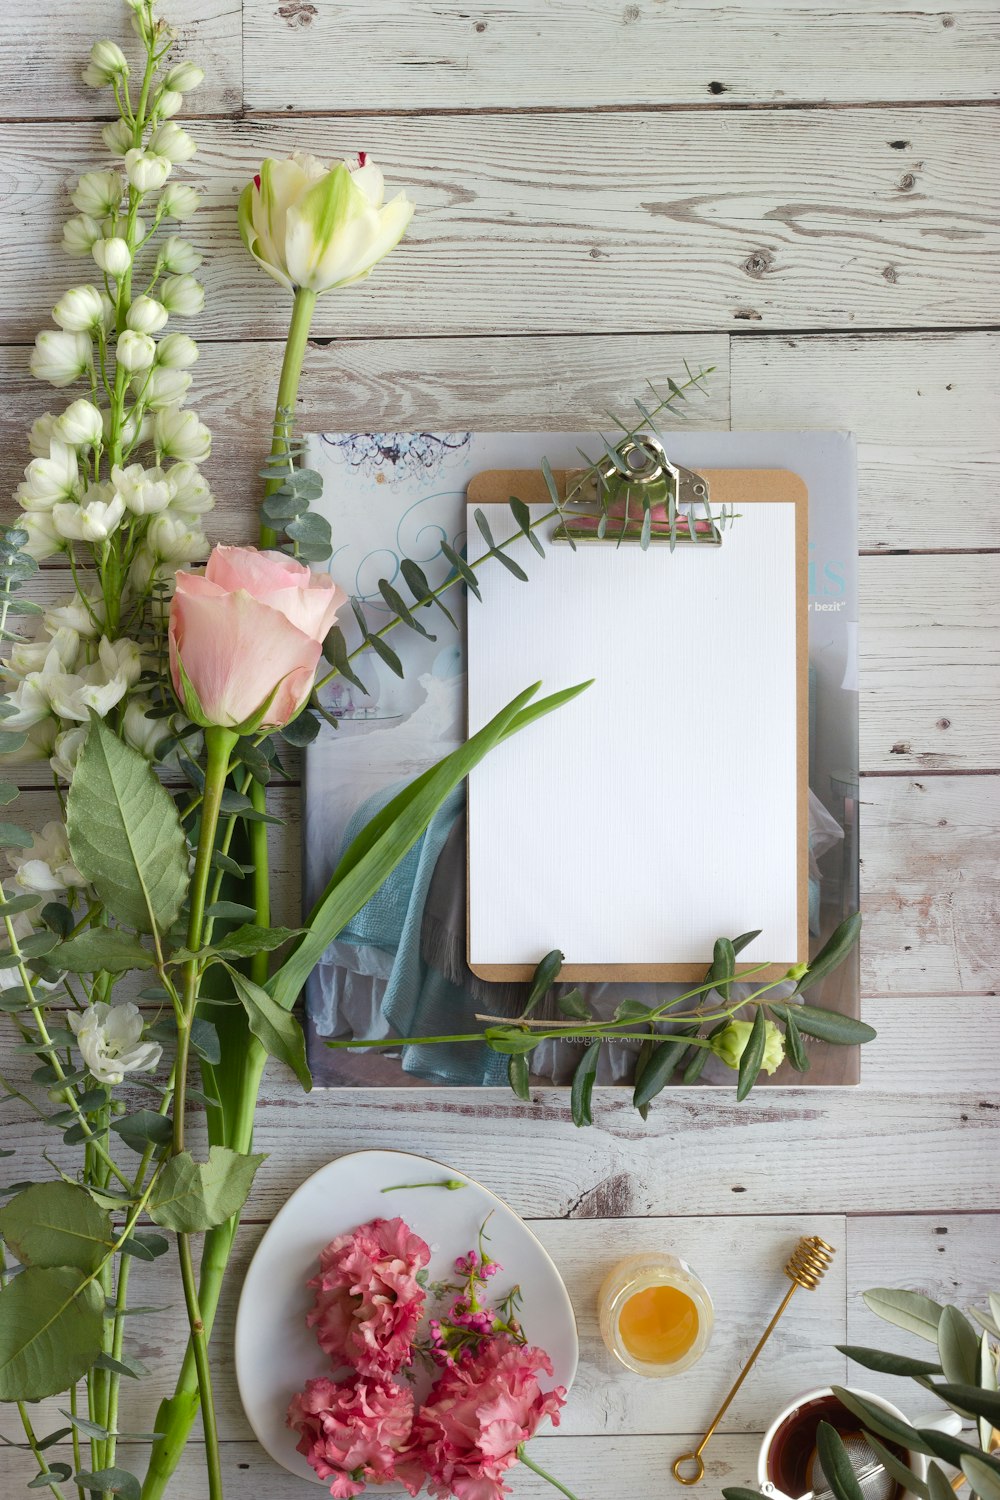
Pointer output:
x,y
654,918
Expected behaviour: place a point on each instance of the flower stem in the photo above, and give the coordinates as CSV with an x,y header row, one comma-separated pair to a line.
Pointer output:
x,y
543,1473
288,389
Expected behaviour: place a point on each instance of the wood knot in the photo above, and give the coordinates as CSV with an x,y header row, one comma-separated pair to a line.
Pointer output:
x,y
890,274
759,263
481,26
596,253
717,88
906,183
297,14
944,723
630,13
947,21
747,315
899,145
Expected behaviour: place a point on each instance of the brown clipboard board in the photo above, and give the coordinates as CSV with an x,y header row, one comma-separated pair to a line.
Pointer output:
x,y
729,487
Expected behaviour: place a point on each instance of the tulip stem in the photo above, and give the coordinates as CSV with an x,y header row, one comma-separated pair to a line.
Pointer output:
x,y
288,390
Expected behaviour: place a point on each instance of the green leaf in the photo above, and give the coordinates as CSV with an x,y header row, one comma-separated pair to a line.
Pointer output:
x,y
953,1450
739,1492
958,1346
18,904
399,607
301,730
277,1030
662,1062
938,1487
574,1005
544,977
14,837
231,910
245,941
335,651
899,1470
56,1224
827,1025
191,1196
833,951
982,1477
145,1246
881,1422
723,966
836,1464
104,950
84,1425
124,833
133,1369
385,653
794,1050
522,515
143,1128
889,1364
631,1010
910,1310
752,1056
51,1331
510,1041
110,1481
205,1041
972,1399
582,1090
56,1473
461,568
519,1076
8,793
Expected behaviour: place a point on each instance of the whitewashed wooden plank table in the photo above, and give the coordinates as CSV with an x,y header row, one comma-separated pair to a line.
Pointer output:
x,y
807,199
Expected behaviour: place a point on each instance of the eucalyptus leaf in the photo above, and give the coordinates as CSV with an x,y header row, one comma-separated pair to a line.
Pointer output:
x,y
124,833
12,836
205,1041
277,1030
335,651
582,1090
191,1196
910,1310
48,1478
106,950
51,1331
56,1224
723,966
143,1128
145,1246
385,653
462,568
112,1481
399,607
519,1075
301,730
522,515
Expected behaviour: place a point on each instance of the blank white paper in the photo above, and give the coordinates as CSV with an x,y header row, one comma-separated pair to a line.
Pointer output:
x,y
658,810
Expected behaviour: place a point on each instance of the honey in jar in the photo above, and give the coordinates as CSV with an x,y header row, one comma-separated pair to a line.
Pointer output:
x,y
656,1316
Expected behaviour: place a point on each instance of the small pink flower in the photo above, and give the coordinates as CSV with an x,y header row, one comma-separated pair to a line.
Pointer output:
x,y
353,1432
467,1433
368,1300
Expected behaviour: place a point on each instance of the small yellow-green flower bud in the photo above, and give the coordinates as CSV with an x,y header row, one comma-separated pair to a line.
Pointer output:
x,y
730,1045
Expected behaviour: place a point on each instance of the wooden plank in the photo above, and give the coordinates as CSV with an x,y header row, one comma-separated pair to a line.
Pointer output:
x,y
923,407
606,1465
518,231
501,55
41,57
931,922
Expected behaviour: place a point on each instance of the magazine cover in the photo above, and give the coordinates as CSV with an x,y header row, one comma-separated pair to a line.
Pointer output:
x,y
399,969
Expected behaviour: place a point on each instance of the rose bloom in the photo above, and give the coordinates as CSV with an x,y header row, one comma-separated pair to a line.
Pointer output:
x,y
468,1431
368,1300
353,1432
246,635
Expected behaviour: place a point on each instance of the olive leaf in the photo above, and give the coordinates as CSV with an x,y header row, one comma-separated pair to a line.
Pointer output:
x,y
752,1055
582,1090
889,1364
833,951
836,1463
544,977
958,1346
910,1310
827,1025
519,1075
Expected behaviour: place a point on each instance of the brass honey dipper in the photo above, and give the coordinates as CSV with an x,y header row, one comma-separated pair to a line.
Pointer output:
x,y
807,1265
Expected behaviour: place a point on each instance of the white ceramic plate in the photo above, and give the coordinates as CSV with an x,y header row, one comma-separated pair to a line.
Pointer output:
x,y
276,1353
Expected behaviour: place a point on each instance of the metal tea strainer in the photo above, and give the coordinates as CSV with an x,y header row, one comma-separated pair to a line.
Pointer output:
x,y
874,1480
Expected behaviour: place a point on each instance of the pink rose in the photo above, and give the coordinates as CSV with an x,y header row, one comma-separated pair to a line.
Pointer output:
x,y
245,637
353,1432
468,1431
368,1300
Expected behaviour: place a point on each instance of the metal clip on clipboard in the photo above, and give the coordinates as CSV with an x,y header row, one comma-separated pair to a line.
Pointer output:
x,y
638,495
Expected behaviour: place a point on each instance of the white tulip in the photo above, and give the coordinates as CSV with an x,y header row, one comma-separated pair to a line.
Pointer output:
x,y
66,751
173,142
146,315
79,310
43,430
169,103
146,170
43,538
191,494
179,201
143,491
80,234
112,255
110,1041
318,229
179,434
182,296
93,520
81,425
184,76
134,351
171,540
47,481
98,194
46,868
61,357
178,255
163,387
77,613
176,351
107,62
117,137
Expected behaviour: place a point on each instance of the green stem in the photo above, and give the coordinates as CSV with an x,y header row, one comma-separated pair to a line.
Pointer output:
x,y
288,389
543,1473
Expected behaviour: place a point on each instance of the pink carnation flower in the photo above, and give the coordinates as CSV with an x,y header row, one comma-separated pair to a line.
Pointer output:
x,y
368,1301
352,1432
467,1433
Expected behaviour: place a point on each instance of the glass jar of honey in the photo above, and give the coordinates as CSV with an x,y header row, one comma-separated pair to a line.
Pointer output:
x,y
656,1316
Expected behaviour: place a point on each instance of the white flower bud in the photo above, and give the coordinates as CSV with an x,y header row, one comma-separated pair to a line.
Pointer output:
x,y
43,430
107,62
182,296
81,424
163,387
173,142
80,234
146,170
178,256
112,256
60,357
134,351
179,201
43,538
117,137
176,351
145,492
46,867
142,733
179,434
98,193
47,481
79,310
93,520
169,103
146,315
171,540
184,77
66,751
192,496
75,615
